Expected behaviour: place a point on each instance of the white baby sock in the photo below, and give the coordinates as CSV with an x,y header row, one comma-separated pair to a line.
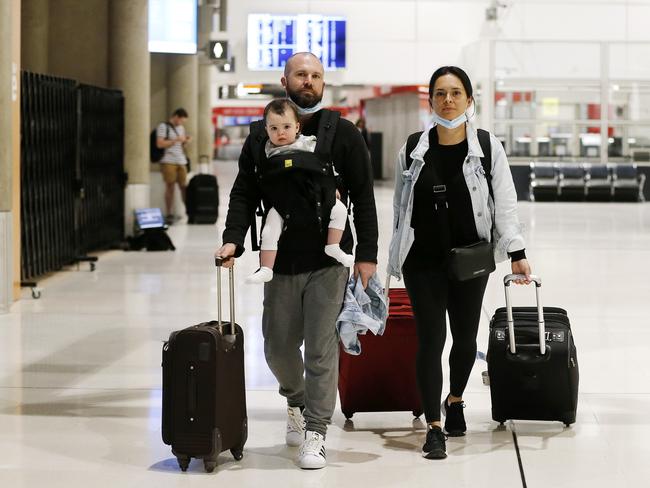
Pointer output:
x,y
262,275
335,251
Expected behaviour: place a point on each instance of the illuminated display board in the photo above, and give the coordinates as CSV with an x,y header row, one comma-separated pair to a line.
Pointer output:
x,y
272,39
173,26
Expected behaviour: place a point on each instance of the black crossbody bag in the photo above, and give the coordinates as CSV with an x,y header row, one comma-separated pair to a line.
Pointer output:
x,y
474,260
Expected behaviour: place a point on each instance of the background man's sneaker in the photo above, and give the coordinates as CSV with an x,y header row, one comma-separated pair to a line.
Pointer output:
x,y
435,446
312,452
295,427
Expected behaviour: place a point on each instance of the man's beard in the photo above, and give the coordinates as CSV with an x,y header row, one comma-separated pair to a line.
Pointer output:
x,y
307,99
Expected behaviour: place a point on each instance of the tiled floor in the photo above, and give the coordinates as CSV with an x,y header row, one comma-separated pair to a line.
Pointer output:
x,y
80,372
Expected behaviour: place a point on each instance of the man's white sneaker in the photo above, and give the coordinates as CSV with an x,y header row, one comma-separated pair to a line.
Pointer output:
x,y
312,452
295,427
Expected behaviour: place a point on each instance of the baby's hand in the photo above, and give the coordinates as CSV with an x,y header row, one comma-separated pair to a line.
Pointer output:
x,y
338,195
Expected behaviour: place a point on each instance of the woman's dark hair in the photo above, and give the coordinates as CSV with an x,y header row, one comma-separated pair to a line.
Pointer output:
x,y
280,106
180,112
454,70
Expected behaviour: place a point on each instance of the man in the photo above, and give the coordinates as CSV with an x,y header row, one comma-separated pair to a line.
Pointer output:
x,y
173,165
304,297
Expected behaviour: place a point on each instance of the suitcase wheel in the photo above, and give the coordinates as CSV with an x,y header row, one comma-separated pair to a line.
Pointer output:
x,y
348,415
183,462
209,465
417,413
238,454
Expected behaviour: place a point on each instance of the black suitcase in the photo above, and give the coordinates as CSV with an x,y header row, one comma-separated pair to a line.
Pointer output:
x,y
532,362
202,199
203,397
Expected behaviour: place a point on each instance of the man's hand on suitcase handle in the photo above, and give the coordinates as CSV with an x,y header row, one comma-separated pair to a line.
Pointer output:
x,y
226,253
522,267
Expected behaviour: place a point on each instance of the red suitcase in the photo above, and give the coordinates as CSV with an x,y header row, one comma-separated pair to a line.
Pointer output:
x,y
382,377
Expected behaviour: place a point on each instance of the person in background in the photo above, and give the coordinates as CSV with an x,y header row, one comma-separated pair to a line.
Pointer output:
x,y
450,150
172,138
361,125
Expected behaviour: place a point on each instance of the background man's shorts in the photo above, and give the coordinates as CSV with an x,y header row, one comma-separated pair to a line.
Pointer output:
x,y
173,173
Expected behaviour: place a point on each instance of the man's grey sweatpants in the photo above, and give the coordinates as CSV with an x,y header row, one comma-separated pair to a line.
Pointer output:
x,y
299,308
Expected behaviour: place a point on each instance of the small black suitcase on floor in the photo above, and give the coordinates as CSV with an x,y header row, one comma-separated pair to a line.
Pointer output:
x,y
532,362
204,400
202,199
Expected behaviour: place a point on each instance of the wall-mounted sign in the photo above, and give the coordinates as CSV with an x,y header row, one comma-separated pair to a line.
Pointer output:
x,y
218,50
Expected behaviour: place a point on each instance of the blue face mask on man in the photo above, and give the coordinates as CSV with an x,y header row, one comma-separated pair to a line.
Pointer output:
x,y
306,111
310,110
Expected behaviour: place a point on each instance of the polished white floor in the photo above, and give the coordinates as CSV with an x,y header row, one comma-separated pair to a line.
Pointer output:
x,y
80,372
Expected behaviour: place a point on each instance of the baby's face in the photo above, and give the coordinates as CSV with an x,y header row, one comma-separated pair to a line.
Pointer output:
x,y
282,129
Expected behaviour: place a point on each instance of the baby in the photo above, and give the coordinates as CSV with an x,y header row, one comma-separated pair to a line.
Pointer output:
x,y
283,129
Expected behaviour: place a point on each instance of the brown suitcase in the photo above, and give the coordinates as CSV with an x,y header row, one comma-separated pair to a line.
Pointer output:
x,y
204,399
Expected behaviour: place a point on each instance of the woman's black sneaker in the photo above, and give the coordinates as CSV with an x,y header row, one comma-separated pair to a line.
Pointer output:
x,y
455,425
434,447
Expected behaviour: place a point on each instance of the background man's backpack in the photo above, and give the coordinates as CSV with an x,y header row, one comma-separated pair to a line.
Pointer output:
x,y
156,153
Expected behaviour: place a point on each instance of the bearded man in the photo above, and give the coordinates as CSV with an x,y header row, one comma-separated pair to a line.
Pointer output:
x,y
304,298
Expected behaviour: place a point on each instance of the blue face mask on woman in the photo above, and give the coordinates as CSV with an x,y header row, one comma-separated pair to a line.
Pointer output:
x,y
450,124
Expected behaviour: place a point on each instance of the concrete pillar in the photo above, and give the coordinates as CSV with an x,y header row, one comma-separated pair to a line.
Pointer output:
x,y
5,106
78,36
6,223
205,140
183,91
130,71
206,136
9,153
159,109
34,35
159,112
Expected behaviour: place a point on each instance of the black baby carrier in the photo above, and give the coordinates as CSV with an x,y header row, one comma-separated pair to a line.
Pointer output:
x,y
300,186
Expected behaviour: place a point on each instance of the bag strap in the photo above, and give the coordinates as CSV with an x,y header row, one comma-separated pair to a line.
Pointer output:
x,y
327,124
486,160
169,126
257,137
411,142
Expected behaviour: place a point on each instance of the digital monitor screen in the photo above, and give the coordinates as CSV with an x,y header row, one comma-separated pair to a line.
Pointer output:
x,y
149,218
272,39
173,26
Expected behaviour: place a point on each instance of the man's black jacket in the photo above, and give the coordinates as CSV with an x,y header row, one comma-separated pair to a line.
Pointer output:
x,y
351,161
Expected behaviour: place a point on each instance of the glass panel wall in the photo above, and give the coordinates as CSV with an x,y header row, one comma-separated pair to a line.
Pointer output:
x,y
547,103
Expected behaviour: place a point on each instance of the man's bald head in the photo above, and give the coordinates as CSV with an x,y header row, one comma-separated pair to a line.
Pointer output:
x,y
303,80
297,57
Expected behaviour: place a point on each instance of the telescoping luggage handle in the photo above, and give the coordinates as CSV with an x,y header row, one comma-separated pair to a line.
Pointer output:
x,y
540,311
231,282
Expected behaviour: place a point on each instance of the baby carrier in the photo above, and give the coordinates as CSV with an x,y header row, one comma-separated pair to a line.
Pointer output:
x,y
301,186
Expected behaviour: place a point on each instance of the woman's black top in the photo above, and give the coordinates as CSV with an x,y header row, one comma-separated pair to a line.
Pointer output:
x,y
428,248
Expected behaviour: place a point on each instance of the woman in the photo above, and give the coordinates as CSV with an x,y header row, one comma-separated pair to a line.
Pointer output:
x,y
448,158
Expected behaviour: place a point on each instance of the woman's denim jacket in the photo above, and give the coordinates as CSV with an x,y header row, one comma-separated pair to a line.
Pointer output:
x,y
507,230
